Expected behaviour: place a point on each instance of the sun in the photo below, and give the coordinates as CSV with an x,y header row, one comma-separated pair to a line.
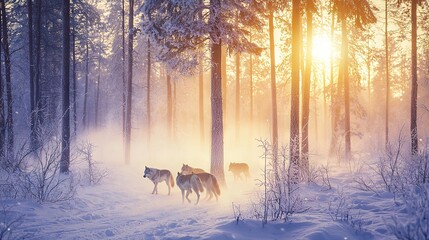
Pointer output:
x,y
321,48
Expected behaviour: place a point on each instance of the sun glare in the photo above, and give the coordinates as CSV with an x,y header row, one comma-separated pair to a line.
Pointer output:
x,y
321,48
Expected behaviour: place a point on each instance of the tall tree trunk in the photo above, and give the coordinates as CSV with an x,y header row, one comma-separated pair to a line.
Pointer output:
x,y
413,119
174,107
9,117
97,93
237,95
294,111
38,69
2,110
129,92
335,95
201,96
251,89
74,72
273,91
169,107
387,77
33,112
217,148
85,94
344,53
306,83
65,135
124,83
224,82
149,69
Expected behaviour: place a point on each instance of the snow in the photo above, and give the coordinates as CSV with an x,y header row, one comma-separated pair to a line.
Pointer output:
x,y
122,207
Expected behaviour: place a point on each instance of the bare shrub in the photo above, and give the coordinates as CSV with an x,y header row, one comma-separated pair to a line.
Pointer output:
x,y
416,223
339,207
324,174
92,175
281,196
41,180
237,213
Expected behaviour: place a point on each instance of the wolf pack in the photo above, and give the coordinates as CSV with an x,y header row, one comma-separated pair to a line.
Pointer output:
x,y
196,180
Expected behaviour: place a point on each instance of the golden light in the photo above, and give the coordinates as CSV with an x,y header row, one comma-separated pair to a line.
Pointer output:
x,y
321,48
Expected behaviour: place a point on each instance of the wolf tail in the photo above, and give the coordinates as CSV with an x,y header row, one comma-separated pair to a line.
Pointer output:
x,y
198,185
171,180
216,186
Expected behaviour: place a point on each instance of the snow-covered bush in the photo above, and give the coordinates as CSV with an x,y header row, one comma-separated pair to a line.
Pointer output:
x,y
416,223
41,178
339,206
92,174
281,198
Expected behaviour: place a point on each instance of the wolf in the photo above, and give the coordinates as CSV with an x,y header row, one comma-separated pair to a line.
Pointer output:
x,y
238,168
211,185
159,175
186,169
187,183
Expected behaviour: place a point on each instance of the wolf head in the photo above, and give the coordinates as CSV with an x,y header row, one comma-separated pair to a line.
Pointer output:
x,y
146,172
185,168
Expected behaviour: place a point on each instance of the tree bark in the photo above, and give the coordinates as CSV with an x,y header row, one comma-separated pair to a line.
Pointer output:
x,y
65,135
85,94
7,63
294,112
149,69
97,94
273,91
413,119
129,92
306,82
217,148
344,50
33,112
237,95
169,108
2,110
74,73
201,96
387,77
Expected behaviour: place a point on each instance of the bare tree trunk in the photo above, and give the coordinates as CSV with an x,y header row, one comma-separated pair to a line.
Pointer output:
x,y
129,92
217,148
38,70
85,94
273,91
237,95
169,107
124,82
413,119
224,82
174,116
306,83
344,50
74,72
294,112
201,96
335,90
65,136
387,77
97,94
2,110
149,69
33,112
9,117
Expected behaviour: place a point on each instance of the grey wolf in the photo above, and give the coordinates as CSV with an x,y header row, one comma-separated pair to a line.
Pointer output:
x,y
238,168
187,183
159,175
211,185
186,169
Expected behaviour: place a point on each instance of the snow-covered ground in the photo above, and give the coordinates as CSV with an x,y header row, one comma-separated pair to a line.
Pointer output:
x,y
122,207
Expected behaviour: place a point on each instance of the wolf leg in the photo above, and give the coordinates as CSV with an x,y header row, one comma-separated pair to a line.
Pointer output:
x,y
168,185
187,196
198,197
155,189
183,196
